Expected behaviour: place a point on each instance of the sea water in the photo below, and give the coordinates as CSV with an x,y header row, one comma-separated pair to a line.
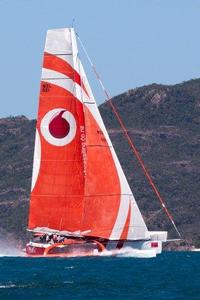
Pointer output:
x,y
171,275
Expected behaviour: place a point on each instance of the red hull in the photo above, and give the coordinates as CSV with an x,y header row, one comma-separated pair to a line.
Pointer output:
x,y
68,248
32,250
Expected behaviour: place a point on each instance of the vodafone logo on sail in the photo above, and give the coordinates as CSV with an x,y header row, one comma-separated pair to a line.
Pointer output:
x,y
58,127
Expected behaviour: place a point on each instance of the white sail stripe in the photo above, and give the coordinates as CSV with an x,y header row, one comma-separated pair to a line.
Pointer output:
x,y
51,74
36,159
74,50
66,83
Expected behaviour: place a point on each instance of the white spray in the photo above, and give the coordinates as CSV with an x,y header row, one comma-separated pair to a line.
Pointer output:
x,y
10,247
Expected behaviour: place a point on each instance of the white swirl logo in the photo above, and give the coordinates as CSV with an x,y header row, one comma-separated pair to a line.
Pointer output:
x,y
58,127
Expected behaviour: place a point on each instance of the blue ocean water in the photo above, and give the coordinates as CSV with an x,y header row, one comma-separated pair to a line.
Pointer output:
x,y
172,275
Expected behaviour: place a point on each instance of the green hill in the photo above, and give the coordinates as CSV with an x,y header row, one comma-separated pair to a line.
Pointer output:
x,y
164,123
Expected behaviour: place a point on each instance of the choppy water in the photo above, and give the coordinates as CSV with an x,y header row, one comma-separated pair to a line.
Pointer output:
x,y
169,276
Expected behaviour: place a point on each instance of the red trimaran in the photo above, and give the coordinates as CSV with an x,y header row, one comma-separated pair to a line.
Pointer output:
x,y
81,203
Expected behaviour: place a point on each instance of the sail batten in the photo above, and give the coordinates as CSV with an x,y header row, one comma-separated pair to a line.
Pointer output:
x,y
78,183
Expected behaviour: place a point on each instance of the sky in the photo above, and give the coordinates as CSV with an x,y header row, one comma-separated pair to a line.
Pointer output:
x,y
131,42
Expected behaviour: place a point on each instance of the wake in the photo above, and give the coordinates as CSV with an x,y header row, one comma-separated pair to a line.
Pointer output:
x,y
129,252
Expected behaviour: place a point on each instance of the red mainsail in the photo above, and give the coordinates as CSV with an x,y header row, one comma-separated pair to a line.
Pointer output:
x,y
77,183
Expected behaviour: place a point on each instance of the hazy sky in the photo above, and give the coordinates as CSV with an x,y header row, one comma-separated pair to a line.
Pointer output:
x,y
132,43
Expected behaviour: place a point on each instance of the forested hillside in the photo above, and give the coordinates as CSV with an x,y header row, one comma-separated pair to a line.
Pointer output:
x,y
164,123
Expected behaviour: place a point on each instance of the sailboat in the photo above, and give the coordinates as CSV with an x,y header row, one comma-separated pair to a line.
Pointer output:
x,y
81,203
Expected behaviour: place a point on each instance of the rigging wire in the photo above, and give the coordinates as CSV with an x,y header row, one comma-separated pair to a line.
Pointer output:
x,y
130,141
